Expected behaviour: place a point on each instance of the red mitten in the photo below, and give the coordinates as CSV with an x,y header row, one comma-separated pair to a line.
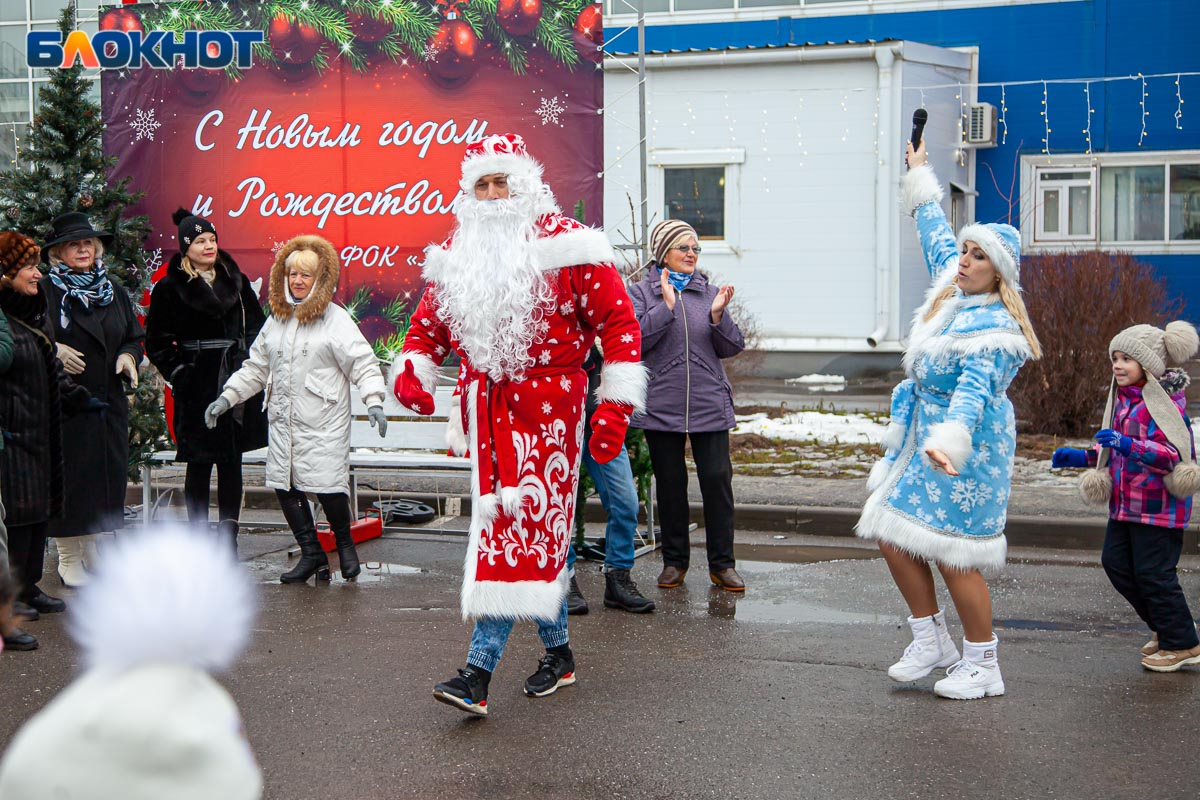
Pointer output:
x,y
609,424
411,393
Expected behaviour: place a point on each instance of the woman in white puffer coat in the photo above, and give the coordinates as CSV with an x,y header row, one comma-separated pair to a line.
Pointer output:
x,y
305,359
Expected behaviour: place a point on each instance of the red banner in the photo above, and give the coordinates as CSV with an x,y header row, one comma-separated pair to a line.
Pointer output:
x,y
368,159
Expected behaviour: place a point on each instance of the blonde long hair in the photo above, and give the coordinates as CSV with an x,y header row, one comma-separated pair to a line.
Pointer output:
x,y
1012,301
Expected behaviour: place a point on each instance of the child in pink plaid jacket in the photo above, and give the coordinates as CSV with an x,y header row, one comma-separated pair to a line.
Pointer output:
x,y
1145,468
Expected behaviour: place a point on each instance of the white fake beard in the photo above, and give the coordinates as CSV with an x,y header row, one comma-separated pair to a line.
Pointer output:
x,y
494,294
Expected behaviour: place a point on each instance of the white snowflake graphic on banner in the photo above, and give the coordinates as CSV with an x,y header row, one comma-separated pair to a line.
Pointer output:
x,y
550,111
432,51
144,125
153,259
276,247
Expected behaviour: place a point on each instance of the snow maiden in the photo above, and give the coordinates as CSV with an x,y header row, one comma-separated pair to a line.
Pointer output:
x,y
940,494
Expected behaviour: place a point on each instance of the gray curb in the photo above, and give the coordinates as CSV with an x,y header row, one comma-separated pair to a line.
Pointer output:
x,y
1058,533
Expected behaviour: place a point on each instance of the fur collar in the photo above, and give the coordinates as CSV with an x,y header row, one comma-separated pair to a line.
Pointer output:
x,y
964,325
213,300
329,268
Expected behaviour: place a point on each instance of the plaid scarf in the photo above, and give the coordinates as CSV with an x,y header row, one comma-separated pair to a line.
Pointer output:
x,y
92,287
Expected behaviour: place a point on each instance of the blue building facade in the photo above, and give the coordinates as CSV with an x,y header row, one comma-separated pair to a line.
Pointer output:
x,y
1119,168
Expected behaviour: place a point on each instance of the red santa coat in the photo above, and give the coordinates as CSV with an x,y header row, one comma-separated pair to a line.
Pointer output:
x,y
524,436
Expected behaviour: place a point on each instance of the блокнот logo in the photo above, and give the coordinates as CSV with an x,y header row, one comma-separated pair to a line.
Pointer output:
x,y
131,49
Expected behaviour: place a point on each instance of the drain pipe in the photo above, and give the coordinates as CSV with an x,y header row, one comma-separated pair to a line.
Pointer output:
x,y
885,205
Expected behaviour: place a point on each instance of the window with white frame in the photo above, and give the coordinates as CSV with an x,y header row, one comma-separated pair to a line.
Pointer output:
x,y
1146,202
696,195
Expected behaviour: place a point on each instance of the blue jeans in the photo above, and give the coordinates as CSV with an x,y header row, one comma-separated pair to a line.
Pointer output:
x,y
618,495
491,635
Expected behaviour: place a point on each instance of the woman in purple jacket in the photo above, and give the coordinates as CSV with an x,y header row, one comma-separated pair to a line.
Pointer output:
x,y
685,334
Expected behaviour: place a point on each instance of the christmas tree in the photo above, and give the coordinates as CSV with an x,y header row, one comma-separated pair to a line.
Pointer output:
x,y
62,168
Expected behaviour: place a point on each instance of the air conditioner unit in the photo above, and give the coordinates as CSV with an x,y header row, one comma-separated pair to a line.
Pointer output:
x,y
981,129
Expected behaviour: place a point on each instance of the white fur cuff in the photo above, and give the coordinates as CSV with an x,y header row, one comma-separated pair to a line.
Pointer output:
x,y
953,439
423,366
456,438
879,474
623,382
918,187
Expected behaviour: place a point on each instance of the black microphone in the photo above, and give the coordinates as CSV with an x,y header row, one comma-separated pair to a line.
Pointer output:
x,y
920,117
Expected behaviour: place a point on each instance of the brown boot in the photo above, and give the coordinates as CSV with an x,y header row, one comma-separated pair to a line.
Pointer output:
x,y
1172,660
728,579
1151,647
670,577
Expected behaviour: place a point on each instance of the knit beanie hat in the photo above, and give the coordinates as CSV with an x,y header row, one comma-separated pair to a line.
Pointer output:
x,y
16,250
146,721
190,226
1153,349
666,235
1002,243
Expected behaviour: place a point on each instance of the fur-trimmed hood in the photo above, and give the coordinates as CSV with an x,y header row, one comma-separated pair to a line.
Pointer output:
x,y
1174,381
313,306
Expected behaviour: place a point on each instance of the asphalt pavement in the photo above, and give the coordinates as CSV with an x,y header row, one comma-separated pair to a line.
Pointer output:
x,y
781,693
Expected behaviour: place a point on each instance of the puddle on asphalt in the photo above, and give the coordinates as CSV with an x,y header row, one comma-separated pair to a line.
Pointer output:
x,y
372,572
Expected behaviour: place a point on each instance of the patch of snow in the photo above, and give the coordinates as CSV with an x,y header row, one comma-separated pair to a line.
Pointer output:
x,y
817,378
814,425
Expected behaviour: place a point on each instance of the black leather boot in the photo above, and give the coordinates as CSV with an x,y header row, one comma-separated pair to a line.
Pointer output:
x,y
227,529
313,560
621,592
347,552
576,602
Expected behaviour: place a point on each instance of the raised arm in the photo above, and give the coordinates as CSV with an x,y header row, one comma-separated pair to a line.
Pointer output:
x,y
921,196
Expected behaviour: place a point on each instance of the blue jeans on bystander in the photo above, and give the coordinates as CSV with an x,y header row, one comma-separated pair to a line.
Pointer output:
x,y
618,495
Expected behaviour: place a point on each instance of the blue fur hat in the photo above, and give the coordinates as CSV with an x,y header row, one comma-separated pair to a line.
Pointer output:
x,y
1002,243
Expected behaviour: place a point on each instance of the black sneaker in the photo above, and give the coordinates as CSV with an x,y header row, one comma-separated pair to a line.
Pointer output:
x,y
576,603
467,692
553,671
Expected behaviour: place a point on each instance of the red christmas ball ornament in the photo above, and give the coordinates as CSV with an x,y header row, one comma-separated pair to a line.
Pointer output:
x,y
293,42
452,53
121,19
519,17
367,27
589,33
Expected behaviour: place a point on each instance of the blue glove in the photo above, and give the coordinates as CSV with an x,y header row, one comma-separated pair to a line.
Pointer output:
x,y
1068,457
1110,438
93,404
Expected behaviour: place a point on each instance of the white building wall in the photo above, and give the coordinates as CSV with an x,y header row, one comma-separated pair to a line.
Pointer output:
x,y
799,143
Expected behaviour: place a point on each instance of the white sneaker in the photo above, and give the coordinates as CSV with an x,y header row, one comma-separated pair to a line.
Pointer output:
x,y
976,676
931,648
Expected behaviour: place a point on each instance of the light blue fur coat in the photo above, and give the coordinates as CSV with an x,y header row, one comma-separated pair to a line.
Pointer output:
x,y
959,365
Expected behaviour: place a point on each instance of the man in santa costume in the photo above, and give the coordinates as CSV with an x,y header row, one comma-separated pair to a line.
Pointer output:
x,y
520,292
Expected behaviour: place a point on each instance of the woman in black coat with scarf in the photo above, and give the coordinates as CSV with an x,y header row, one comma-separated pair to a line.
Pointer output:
x,y
203,317
99,341
34,396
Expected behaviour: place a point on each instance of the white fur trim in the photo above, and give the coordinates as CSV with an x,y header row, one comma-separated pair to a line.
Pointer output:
x,y
1095,486
510,500
426,371
170,595
881,523
583,246
435,263
893,437
497,164
880,472
531,600
1002,260
918,187
623,382
456,438
953,439
1184,480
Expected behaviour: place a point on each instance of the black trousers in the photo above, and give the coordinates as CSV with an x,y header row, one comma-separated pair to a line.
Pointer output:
x,y
26,553
299,515
711,453
1141,562
229,490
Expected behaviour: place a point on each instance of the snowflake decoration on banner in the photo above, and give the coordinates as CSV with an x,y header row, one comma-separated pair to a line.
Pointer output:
x,y
153,260
276,247
144,125
550,111
431,52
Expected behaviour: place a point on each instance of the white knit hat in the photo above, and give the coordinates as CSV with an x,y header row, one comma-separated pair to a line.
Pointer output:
x,y
1153,348
146,721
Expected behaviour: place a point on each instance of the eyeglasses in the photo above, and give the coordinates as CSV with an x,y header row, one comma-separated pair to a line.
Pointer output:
x,y
687,248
